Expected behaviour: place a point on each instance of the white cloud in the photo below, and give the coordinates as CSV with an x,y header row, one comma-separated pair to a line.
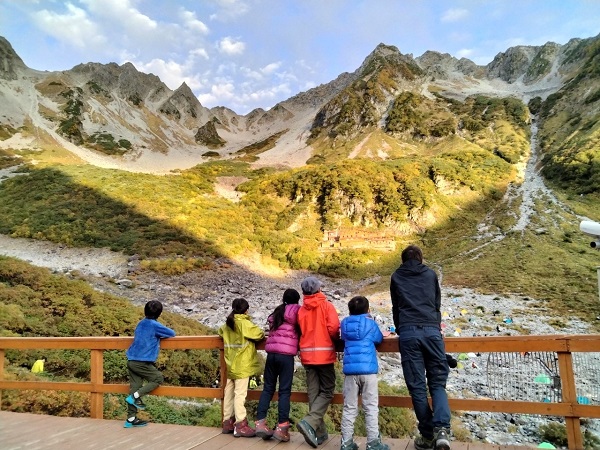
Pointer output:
x,y
229,9
270,68
199,52
170,72
464,53
268,94
454,15
220,94
74,27
229,46
191,22
122,12
249,73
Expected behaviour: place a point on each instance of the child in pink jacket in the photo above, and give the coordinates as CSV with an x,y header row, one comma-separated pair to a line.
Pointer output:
x,y
281,347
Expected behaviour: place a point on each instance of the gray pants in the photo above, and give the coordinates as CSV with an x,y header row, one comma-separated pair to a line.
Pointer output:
x,y
320,384
366,387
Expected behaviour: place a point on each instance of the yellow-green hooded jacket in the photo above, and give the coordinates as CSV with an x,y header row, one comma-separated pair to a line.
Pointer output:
x,y
240,352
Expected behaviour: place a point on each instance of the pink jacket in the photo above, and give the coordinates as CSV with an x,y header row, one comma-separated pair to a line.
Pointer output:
x,y
284,340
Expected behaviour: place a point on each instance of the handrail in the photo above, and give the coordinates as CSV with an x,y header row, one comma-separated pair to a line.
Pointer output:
x,y
563,345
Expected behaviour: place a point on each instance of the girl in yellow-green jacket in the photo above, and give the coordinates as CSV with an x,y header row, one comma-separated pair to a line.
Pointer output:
x,y
239,337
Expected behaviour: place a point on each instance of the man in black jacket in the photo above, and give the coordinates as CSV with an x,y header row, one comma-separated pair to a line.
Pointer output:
x,y
416,302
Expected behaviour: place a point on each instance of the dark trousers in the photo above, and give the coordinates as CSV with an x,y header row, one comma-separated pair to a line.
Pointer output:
x,y
425,367
282,367
320,384
138,372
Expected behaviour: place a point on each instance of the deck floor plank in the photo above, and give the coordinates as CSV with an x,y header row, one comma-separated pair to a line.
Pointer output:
x,y
24,431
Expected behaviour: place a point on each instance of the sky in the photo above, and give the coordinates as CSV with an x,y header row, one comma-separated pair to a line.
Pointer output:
x,y
247,54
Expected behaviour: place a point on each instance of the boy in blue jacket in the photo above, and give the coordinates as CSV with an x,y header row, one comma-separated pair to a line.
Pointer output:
x,y
360,334
141,356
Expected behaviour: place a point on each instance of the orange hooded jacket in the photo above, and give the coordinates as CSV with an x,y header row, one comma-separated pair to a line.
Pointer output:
x,y
320,326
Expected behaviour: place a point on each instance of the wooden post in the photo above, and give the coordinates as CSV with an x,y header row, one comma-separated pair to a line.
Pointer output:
x,y
1,373
97,378
569,396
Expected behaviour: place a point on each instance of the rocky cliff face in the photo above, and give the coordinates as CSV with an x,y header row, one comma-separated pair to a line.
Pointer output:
x,y
207,135
123,104
10,63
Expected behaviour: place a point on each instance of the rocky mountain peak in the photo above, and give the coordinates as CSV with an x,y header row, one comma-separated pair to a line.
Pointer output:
x,y
513,63
10,63
184,104
388,57
443,65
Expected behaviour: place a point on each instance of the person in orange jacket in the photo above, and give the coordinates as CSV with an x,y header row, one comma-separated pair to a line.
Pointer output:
x,y
320,327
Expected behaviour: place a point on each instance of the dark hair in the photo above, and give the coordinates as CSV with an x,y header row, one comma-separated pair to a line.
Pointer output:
x,y
358,305
290,297
238,306
153,309
412,252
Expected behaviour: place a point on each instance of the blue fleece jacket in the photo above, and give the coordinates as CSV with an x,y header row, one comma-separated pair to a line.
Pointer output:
x,y
360,334
146,340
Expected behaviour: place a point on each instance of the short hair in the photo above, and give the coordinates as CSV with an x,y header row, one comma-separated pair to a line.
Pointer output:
x,y
291,297
153,309
358,305
412,252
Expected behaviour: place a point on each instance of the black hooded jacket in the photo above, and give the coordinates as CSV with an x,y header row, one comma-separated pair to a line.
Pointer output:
x,y
416,295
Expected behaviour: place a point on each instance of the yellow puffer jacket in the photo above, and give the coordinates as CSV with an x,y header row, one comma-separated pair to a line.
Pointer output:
x,y
240,350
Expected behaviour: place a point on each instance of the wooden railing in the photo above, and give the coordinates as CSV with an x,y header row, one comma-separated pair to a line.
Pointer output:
x,y
563,345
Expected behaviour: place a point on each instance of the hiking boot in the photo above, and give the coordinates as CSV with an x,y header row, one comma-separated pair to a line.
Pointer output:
x,y
322,438
441,437
308,432
228,426
282,432
135,423
242,429
262,429
422,443
137,402
349,445
376,444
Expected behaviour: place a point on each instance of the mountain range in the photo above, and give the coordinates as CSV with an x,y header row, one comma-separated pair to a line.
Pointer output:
x,y
115,116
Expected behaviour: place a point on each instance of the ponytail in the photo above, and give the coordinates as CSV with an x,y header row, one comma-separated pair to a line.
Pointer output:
x,y
238,306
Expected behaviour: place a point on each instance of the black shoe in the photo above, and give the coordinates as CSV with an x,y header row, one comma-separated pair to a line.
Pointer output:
x,y
135,423
441,438
137,402
308,432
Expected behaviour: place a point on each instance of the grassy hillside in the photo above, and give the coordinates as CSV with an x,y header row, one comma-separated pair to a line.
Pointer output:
x,y
570,126
435,190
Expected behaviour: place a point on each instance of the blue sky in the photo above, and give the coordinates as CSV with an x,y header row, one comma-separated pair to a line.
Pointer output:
x,y
245,54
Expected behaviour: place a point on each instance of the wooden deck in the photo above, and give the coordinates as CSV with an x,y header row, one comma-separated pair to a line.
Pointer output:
x,y
21,431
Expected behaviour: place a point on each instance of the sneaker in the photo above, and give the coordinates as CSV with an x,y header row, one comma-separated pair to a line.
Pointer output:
x,y
308,432
135,423
322,438
349,445
442,439
376,444
242,429
228,426
262,429
422,443
282,432
137,402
